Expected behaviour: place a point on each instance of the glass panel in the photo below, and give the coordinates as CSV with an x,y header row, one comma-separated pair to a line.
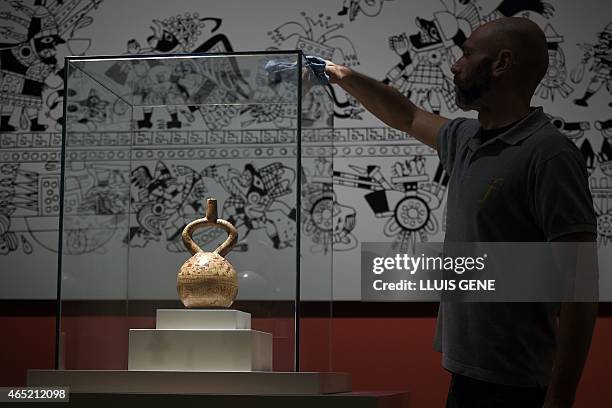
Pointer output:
x,y
169,133
186,80
94,221
322,226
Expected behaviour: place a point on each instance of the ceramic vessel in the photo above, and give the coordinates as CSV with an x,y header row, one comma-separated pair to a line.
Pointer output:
x,y
207,279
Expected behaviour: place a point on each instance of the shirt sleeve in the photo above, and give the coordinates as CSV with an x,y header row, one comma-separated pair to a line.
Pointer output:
x,y
447,141
562,201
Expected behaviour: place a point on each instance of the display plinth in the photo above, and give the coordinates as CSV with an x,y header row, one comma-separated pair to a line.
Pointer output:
x,y
221,319
185,382
200,350
200,340
178,359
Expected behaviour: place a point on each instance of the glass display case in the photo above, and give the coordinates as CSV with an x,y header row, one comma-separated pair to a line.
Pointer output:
x,y
146,140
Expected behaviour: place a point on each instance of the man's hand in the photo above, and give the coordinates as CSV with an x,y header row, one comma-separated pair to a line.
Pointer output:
x,y
336,72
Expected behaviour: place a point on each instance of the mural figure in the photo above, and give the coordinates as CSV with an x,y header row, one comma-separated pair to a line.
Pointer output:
x,y
423,73
601,184
254,201
427,83
156,85
555,80
95,204
352,8
575,132
318,37
8,239
209,87
174,34
605,152
271,89
406,200
29,65
87,113
163,202
600,58
482,11
326,221
217,93
153,81
18,194
268,93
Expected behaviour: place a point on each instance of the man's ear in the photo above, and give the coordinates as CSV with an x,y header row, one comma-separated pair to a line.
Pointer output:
x,y
505,59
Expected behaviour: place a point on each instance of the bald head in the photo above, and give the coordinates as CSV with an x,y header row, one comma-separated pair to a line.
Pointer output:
x,y
525,40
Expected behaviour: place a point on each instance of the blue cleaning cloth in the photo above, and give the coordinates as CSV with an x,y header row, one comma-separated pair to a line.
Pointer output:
x,y
279,70
318,68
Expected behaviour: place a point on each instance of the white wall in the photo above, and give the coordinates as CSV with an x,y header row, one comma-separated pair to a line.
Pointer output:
x,y
27,231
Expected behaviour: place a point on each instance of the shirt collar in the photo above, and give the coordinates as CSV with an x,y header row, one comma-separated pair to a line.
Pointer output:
x,y
517,133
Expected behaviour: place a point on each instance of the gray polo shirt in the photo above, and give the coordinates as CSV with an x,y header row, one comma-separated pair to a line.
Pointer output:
x,y
528,184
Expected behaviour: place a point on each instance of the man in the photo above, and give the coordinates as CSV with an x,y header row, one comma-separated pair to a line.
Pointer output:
x,y
501,354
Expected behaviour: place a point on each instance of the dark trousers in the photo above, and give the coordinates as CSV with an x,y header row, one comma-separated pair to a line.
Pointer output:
x,y
465,392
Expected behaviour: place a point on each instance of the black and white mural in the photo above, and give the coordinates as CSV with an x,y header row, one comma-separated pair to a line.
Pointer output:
x,y
597,60
149,140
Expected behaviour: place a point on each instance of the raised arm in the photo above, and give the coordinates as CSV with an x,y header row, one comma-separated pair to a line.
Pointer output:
x,y
387,104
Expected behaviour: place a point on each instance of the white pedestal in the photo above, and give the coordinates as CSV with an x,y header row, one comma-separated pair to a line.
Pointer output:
x,y
200,340
197,352
200,350
202,319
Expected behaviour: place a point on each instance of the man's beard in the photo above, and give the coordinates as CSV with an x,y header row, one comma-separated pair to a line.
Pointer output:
x,y
470,90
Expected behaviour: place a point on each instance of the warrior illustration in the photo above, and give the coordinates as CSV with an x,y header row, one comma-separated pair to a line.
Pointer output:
x,y
254,200
174,34
423,73
197,87
154,83
431,52
163,201
158,86
30,66
601,56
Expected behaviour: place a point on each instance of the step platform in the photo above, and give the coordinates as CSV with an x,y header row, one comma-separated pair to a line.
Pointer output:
x,y
185,382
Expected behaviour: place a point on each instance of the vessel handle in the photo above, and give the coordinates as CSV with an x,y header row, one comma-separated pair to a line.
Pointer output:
x,y
210,220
